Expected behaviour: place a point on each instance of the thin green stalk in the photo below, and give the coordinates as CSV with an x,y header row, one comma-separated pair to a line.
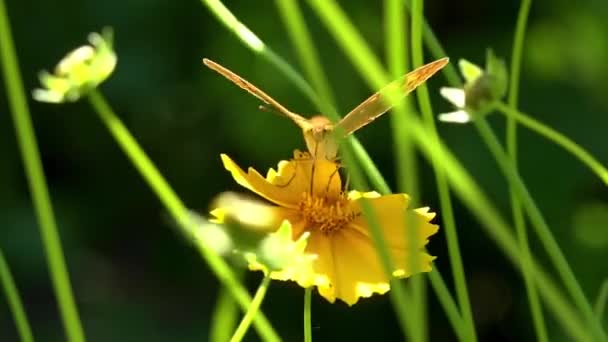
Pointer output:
x,y
223,320
479,205
252,311
600,302
518,215
37,183
445,201
542,230
559,139
175,207
437,51
257,46
405,154
307,314
447,302
399,296
301,38
398,62
14,301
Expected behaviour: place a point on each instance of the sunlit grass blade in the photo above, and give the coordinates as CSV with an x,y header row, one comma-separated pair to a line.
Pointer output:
x,y
518,215
14,301
395,32
223,320
600,302
252,311
447,211
542,230
175,207
37,182
557,138
295,25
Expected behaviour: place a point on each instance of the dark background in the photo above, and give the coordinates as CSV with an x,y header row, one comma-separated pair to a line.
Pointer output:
x,y
134,276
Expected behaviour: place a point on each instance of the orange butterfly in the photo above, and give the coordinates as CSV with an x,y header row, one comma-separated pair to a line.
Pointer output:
x,y
319,131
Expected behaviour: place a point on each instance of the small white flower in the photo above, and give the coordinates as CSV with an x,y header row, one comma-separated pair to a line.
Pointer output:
x,y
80,70
482,87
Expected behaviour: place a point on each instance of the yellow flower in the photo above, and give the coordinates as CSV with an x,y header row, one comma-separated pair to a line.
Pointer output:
x,y
308,193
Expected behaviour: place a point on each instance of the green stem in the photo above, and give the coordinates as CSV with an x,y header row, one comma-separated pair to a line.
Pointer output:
x,y
445,201
518,215
437,51
14,301
307,314
542,230
561,140
175,207
447,302
600,302
399,296
37,183
479,205
253,310
224,317
405,155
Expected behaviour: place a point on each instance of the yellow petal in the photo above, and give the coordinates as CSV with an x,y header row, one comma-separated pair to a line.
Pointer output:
x,y
392,216
292,179
286,196
358,271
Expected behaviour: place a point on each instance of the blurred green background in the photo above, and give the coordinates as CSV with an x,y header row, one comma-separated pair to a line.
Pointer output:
x,y
136,278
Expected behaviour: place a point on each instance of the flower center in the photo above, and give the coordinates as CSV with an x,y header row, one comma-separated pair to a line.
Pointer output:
x,y
326,215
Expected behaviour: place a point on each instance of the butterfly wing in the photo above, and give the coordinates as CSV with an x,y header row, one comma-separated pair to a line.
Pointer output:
x,y
255,91
379,103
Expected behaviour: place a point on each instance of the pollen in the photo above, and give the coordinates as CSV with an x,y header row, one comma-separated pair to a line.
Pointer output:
x,y
325,214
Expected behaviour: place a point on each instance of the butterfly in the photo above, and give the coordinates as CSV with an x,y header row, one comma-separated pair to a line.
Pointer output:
x,y
320,134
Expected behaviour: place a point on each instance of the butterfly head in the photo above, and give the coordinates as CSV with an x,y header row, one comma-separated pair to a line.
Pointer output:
x,y
318,133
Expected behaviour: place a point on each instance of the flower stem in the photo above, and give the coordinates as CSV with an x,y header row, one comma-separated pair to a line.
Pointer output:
x,y
542,230
37,183
405,155
307,314
241,330
518,215
583,156
432,43
445,201
600,302
224,317
14,301
175,206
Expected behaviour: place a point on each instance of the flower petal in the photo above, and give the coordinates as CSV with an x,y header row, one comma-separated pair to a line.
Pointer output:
x,y
286,186
285,196
456,96
392,216
459,116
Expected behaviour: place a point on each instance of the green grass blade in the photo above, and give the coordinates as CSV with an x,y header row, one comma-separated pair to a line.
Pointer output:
x,y
404,150
37,183
14,301
542,230
447,211
223,321
518,215
252,311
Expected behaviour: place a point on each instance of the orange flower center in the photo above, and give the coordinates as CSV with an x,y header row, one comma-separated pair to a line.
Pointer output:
x,y
326,215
